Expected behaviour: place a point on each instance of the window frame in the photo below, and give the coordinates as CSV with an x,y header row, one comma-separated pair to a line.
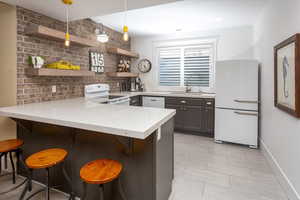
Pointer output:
x,y
186,43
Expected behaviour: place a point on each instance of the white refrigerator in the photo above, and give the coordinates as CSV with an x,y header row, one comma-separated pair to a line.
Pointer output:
x,y
237,102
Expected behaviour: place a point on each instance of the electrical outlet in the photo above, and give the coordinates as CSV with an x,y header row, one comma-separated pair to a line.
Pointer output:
x,y
53,88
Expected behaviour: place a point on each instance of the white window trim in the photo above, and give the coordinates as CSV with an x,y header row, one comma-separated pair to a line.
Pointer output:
x,y
185,42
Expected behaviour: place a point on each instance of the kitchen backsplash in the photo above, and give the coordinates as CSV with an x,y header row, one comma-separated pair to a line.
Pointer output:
x,y
38,89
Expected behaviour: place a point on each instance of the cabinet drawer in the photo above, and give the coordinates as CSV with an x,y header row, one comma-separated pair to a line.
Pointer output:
x,y
185,101
209,103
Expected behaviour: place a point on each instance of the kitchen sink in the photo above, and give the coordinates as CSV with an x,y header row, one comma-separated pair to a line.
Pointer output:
x,y
192,93
161,93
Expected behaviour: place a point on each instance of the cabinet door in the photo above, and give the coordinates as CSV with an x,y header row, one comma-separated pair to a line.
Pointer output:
x,y
208,120
154,102
179,117
193,116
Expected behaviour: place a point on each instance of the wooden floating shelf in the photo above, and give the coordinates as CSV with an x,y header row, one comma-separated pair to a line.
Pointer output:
x,y
52,34
122,74
58,72
122,52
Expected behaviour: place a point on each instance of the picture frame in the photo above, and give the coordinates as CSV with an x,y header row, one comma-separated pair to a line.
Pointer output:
x,y
287,75
96,62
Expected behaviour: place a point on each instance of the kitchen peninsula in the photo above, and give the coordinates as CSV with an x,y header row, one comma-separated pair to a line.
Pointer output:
x,y
142,142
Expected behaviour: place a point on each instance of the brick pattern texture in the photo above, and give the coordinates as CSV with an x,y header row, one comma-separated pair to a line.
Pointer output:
x,y
39,89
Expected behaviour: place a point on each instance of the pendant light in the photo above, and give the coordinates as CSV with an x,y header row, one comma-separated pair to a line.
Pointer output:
x,y
101,36
125,28
67,36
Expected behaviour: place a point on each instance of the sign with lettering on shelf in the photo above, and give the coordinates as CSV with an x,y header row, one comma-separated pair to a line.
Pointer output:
x,y
96,62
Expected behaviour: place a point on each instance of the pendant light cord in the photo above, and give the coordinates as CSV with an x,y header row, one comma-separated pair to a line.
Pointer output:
x,y
67,18
125,8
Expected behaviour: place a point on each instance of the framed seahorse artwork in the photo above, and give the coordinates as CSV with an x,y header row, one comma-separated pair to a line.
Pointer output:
x,y
287,75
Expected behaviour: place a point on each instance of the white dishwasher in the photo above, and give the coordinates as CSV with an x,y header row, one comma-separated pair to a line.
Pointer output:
x,y
154,102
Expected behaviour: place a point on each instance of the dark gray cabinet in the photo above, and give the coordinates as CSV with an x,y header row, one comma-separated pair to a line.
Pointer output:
x,y
194,115
179,117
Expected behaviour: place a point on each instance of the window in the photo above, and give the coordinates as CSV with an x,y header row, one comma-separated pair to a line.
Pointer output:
x,y
191,65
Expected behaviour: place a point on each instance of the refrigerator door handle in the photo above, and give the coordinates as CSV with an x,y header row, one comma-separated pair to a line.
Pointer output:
x,y
246,113
245,101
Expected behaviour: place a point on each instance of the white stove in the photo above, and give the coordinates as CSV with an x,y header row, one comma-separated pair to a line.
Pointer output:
x,y
99,93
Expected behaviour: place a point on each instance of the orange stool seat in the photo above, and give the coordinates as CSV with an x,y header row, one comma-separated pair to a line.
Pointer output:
x,y
10,145
100,171
46,158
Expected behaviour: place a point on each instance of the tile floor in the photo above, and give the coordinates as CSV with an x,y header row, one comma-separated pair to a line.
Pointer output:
x,y
205,170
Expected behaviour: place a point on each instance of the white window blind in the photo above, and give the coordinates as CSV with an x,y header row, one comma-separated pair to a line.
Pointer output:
x,y
187,65
170,67
197,64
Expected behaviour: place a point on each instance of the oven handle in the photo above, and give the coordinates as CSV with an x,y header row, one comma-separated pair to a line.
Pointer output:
x,y
122,101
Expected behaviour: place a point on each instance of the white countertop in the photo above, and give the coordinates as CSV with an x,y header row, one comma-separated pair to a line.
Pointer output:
x,y
129,121
167,94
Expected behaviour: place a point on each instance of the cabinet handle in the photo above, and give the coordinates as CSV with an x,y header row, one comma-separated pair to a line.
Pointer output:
x,y
245,101
245,113
208,103
182,101
153,100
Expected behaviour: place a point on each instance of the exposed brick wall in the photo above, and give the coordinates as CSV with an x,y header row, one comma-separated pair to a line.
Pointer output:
x,y
38,89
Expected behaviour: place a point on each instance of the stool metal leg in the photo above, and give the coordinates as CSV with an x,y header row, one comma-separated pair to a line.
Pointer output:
x,y
26,188
13,167
5,160
101,189
18,152
30,180
121,191
84,191
48,184
67,177
1,155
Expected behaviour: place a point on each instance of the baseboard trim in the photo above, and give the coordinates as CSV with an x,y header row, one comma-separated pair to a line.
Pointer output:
x,y
281,176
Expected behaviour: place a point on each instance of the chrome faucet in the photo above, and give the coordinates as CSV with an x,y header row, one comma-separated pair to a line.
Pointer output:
x,y
187,87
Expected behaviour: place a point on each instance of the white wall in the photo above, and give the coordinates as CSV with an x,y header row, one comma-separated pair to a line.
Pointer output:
x,y
234,43
280,131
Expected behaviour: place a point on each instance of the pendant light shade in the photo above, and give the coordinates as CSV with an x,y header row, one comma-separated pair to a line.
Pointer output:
x,y
67,39
125,33
101,35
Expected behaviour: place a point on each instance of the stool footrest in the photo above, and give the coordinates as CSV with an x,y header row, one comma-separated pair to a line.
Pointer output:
x,y
35,193
13,188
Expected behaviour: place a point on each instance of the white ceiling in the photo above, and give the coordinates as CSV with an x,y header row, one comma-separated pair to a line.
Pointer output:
x,y
188,15
82,8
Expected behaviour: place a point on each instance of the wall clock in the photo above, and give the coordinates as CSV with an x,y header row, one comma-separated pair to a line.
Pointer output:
x,y
144,66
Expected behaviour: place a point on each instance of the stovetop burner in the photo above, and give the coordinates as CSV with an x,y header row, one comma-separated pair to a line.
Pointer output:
x,y
100,93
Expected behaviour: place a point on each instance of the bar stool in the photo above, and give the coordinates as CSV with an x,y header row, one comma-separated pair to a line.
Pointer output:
x,y
100,172
8,147
45,159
